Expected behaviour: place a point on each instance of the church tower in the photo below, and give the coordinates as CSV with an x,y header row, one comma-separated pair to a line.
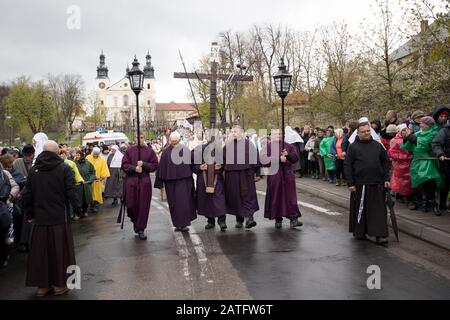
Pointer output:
x,y
149,88
102,78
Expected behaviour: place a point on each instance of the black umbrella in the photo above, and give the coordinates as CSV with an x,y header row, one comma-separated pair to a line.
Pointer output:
x,y
390,203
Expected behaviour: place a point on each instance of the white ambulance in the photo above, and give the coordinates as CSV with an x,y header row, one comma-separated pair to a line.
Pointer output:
x,y
105,137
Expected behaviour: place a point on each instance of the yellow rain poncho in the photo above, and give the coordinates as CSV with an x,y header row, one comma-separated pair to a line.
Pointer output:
x,y
101,172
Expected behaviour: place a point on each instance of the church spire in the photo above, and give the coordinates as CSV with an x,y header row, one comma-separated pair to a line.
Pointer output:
x,y
102,69
149,71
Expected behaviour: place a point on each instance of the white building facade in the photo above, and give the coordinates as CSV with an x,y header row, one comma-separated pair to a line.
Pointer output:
x,y
120,101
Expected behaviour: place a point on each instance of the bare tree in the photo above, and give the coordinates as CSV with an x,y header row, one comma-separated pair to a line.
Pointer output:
x,y
342,68
67,92
380,40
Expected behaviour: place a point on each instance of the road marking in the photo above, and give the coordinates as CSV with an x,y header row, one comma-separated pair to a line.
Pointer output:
x,y
311,206
183,251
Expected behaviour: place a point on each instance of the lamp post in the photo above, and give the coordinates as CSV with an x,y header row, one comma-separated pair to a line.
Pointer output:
x,y
282,80
80,131
8,117
136,77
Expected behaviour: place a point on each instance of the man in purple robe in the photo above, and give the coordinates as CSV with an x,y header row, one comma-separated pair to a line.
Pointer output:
x,y
175,175
242,170
138,186
281,193
210,203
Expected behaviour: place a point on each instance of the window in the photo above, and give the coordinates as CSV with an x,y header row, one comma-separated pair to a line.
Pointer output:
x,y
115,101
101,102
148,102
148,85
125,100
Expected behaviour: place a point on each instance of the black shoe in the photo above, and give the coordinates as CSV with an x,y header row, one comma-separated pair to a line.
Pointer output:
x,y
239,225
278,224
250,223
361,238
295,223
427,207
412,206
142,236
437,211
210,225
183,229
114,203
22,248
381,240
222,225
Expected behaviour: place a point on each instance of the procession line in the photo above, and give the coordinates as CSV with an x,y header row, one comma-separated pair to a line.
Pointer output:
x,y
310,206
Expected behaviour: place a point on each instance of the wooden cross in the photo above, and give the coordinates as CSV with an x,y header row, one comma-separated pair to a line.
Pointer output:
x,y
212,77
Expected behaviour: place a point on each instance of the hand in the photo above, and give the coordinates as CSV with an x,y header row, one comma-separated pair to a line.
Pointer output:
x,y
329,155
442,158
217,166
257,179
387,184
352,189
204,167
343,153
139,169
284,153
30,220
283,159
140,163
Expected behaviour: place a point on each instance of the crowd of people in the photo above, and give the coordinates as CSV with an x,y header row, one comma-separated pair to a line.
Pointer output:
x,y
418,147
45,186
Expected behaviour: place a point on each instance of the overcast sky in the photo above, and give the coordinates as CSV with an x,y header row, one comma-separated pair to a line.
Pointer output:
x,y
35,39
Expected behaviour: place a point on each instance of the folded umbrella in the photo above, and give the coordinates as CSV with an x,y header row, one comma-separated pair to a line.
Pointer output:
x,y
390,203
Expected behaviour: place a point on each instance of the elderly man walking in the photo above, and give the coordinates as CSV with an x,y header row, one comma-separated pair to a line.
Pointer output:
x,y
101,172
367,171
50,188
175,175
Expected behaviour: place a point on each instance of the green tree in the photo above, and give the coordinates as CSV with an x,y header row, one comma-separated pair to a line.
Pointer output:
x,y
30,104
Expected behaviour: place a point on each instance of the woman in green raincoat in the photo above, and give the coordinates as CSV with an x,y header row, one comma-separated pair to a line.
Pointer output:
x,y
87,171
424,172
325,151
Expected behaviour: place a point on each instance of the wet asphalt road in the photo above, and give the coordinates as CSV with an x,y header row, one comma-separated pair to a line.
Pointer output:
x,y
317,261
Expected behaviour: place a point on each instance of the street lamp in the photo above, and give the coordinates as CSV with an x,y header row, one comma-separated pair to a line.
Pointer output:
x,y
136,77
282,80
8,117
81,131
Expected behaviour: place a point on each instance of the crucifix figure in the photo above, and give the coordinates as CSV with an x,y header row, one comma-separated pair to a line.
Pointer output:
x,y
212,77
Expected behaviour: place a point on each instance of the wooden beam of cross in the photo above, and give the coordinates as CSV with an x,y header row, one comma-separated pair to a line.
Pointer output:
x,y
212,77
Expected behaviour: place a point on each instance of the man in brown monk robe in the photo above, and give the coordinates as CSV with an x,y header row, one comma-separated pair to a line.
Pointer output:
x,y
49,190
367,171
138,187
175,175
242,170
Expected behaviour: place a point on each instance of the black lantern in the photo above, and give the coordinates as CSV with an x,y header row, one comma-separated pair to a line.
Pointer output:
x,y
136,77
282,80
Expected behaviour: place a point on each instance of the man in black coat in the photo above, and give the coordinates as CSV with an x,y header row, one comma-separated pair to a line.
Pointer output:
x,y
49,191
366,168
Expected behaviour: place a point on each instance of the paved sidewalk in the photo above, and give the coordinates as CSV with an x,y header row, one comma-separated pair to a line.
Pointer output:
x,y
425,226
